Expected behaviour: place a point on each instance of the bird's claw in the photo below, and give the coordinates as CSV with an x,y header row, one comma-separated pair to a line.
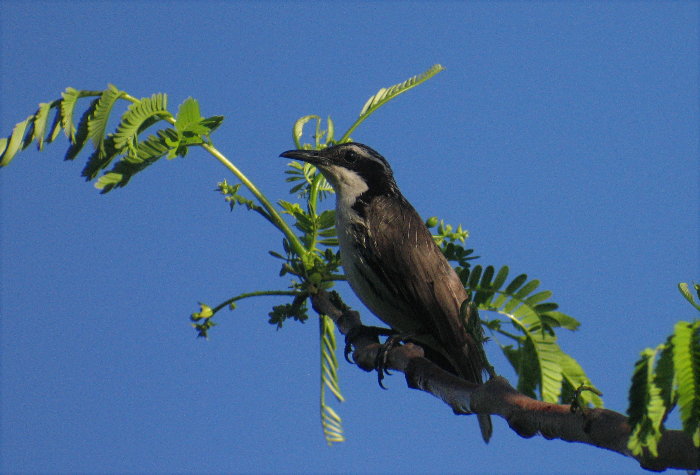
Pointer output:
x,y
372,333
382,359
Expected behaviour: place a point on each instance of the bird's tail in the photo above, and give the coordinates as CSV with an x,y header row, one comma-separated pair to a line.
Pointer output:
x,y
486,426
476,363
471,364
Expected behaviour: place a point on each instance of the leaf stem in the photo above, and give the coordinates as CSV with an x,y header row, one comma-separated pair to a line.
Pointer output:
x,y
274,216
277,220
258,293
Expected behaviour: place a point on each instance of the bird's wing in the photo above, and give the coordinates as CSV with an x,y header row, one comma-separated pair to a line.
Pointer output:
x,y
421,277
433,294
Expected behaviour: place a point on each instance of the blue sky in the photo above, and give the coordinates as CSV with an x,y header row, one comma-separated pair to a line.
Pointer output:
x,y
563,135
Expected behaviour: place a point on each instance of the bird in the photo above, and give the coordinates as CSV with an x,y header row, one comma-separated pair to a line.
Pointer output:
x,y
392,262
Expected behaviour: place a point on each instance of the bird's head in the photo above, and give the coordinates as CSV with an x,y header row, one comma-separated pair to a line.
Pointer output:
x,y
351,168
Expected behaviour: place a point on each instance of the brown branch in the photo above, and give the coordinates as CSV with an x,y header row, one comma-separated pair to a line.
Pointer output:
x,y
526,416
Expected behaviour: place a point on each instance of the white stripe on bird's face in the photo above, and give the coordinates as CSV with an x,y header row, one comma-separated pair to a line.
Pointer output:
x,y
348,186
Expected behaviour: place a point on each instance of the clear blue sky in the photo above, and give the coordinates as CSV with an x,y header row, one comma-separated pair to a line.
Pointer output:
x,y
563,135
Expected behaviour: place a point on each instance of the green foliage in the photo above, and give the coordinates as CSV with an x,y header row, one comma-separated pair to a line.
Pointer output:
x,y
97,124
384,95
134,154
686,362
330,420
308,253
529,330
665,377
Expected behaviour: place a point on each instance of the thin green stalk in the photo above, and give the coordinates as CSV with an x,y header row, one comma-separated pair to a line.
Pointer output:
x,y
259,293
352,128
280,223
272,211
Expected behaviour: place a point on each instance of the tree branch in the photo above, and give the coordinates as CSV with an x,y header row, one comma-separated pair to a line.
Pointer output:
x,y
526,416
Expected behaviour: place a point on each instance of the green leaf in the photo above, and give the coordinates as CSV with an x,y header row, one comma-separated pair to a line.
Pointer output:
x,y
68,102
108,180
187,115
538,297
139,116
384,95
15,141
646,410
548,357
70,98
683,287
327,220
527,289
330,135
575,377
686,361
538,355
474,277
80,135
542,351
100,158
55,129
500,277
212,123
331,422
298,130
524,362
665,375
557,319
516,283
147,152
40,119
97,124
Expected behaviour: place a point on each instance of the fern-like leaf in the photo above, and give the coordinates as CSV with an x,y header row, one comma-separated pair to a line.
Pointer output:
x,y
147,153
384,95
68,102
575,377
80,135
646,410
331,422
15,142
298,128
535,317
686,361
523,359
70,98
97,125
55,128
683,287
40,119
547,354
139,116
517,299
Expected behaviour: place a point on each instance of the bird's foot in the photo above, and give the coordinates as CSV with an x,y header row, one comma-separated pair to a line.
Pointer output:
x,y
363,331
382,360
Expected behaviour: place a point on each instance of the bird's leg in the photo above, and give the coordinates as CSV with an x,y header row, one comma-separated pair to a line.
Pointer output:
x,y
362,331
382,359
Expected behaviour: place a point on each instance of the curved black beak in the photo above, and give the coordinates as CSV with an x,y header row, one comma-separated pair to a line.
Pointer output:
x,y
311,156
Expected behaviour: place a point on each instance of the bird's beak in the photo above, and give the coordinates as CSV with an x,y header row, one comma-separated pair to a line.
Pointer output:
x,y
311,156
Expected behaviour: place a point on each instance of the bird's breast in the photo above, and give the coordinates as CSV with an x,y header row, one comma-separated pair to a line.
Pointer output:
x,y
354,236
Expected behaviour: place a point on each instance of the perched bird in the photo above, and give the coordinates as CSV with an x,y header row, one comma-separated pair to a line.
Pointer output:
x,y
391,261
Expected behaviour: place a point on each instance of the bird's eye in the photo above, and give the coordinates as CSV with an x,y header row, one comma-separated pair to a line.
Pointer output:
x,y
350,157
